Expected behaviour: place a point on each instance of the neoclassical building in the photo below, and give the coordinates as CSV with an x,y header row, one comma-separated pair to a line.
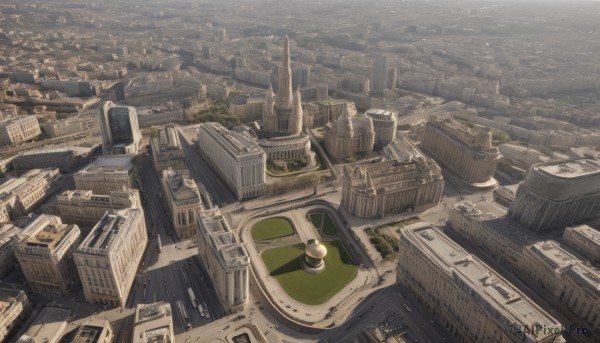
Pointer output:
x,y
380,188
238,160
183,197
45,253
225,259
584,240
107,174
349,134
108,257
282,117
465,153
167,151
85,209
557,194
467,296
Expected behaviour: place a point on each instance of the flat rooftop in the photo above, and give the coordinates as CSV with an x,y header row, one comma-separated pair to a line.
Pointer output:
x,y
496,295
587,233
91,331
99,240
571,169
48,326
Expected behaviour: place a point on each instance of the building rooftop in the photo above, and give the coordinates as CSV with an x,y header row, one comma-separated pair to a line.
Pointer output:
x,y
8,297
233,142
153,323
562,262
45,232
381,114
585,232
401,149
16,120
93,331
231,254
47,327
166,138
504,302
108,231
571,169
181,184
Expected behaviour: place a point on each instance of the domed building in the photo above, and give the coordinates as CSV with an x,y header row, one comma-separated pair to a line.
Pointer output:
x,y
349,134
314,254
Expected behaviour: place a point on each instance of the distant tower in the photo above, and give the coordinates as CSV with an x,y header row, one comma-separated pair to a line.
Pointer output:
x,y
379,76
284,91
391,82
296,119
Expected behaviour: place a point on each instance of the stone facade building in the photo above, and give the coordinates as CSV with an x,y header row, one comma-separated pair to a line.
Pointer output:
x,y
94,331
44,250
348,135
287,147
19,196
85,209
376,189
466,154
239,161
557,194
584,240
567,279
65,159
153,323
467,296
120,129
7,256
167,151
108,257
184,200
385,123
48,326
319,113
107,174
545,265
14,307
19,129
225,259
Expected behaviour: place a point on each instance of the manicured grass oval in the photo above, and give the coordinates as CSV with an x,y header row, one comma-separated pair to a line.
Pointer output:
x,y
323,223
284,264
272,228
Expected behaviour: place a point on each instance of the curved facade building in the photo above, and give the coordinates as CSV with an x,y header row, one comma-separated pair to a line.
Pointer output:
x,y
349,134
376,189
465,153
557,194
287,147
384,122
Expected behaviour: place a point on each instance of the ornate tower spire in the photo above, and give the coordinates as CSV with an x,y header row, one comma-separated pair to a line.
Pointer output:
x,y
284,93
297,113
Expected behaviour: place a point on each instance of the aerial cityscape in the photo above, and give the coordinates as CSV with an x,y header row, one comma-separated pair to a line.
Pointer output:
x,y
282,171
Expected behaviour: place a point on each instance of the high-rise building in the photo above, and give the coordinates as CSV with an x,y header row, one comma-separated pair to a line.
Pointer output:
x,y
153,323
167,151
379,75
300,76
376,189
7,256
184,201
239,161
557,194
44,250
468,297
85,209
225,260
384,122
120,129
108,257
466,155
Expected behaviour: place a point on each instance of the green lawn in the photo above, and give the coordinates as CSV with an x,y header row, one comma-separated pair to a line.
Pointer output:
x,y
272,228
323,223
284,264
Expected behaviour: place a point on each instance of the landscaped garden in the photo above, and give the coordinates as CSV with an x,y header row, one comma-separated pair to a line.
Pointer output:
x,y
285,265
323,223
272,228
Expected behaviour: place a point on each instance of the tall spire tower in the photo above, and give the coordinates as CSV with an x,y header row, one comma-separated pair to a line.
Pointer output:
x,y
296,119
283,101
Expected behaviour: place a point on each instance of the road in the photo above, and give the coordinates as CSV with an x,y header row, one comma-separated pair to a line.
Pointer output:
x,y
425,114
167,274
204,174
